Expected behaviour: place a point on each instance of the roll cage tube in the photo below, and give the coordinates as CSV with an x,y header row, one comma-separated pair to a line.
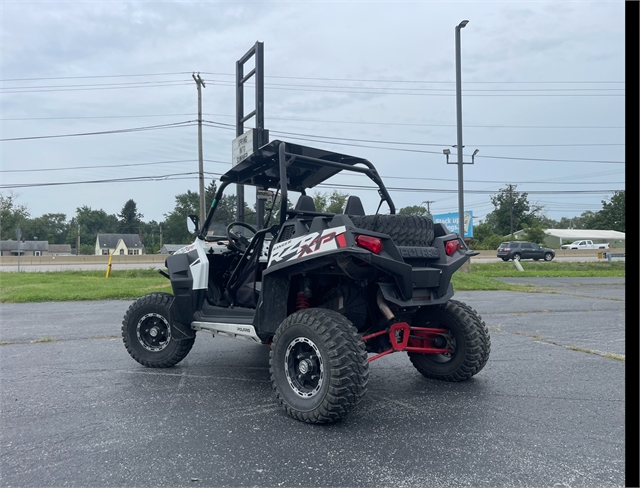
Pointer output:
x,y
205,226
283,182
370,171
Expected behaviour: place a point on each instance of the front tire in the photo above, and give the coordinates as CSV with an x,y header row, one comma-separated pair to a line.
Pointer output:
x,y
146,332
467,337
318,364
548,256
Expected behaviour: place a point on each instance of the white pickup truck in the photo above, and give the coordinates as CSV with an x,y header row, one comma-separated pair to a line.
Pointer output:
x,y
586,245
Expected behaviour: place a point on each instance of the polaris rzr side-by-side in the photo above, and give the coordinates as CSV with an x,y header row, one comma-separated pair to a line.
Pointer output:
x,y
328,293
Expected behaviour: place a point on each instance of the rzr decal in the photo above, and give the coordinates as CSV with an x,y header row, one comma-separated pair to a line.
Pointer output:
x,y
303,246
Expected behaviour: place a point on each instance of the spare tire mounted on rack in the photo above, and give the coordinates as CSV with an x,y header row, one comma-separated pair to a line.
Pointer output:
x,y
405,230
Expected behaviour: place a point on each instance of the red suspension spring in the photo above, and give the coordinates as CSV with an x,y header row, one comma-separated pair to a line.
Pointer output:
x,y
302,302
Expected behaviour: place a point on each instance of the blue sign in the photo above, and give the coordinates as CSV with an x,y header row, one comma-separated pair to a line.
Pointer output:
x,y
451,221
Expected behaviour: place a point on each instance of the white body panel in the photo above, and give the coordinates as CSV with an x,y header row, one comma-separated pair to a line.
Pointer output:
x,y
200,267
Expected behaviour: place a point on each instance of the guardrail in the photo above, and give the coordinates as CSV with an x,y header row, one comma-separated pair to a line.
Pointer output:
x,y
609,255
150,259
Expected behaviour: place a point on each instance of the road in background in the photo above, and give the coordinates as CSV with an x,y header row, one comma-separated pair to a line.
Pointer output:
x,y
114,267
547,410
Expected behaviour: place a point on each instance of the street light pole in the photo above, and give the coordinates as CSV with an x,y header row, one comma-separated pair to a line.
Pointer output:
x,y
200,84
459,119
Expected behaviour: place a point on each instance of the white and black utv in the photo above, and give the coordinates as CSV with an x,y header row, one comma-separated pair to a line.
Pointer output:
x,y
328,293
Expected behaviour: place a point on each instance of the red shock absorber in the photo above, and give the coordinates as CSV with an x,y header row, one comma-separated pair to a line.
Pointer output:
x,y
302,302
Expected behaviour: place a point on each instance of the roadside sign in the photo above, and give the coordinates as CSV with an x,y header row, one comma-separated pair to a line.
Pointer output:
x,y
243,146
451,221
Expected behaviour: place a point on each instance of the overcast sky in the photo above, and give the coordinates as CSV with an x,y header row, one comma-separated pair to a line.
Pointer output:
x,y
543,97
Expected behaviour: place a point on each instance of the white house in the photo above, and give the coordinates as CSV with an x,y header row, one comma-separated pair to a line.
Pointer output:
x,y
119,244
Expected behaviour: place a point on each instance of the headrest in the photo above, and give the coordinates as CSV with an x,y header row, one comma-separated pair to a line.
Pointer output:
x,y
354,206
305,204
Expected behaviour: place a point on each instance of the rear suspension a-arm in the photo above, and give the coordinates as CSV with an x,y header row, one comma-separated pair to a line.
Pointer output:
x,y
399,335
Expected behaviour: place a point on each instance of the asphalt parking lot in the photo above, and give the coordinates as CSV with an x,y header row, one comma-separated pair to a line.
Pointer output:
x,y
547,410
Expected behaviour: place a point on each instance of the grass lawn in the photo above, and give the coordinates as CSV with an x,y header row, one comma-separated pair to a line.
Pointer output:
x,y
131,284
60,286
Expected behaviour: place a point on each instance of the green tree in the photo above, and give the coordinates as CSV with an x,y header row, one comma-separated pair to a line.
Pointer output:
x,y
151,236
534,234
130,219
174,227
12,215
612,215
91,223
333,203
418,210
482,230
51,227
512,211
209,194
547,223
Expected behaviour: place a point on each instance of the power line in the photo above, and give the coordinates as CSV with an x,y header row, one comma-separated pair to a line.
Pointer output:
x,y
96,85
289,85
129,75
129,165
93,89
332,140
412,178
171,176
187,123
439,153
323,121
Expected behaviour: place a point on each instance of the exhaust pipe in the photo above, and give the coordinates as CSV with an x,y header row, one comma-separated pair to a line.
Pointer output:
x,y
384,308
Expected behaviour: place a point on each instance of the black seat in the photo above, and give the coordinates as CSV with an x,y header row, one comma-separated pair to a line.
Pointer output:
x,y
353,206
305,204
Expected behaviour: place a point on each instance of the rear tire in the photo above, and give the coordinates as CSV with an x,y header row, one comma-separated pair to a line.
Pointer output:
x,y
468,337
516,257
146,332
404,230
318,364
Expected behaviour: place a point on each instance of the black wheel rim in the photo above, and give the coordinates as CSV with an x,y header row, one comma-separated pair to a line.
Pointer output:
x,y
304,367
153,331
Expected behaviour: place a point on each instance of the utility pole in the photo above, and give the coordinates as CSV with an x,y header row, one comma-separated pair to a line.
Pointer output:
x,y
428,207
200,84
78,243
511,206
459,123
160,236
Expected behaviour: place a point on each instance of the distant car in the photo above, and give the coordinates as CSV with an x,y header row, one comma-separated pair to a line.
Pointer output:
x,y
518,250
586,245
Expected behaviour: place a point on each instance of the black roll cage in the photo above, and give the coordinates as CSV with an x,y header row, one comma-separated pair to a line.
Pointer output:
x,y
312,166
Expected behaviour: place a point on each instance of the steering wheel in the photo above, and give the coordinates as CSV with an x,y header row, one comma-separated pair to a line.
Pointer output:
x,y
238,242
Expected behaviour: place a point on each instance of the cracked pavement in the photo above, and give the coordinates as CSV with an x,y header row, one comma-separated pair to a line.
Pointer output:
x,y
547,410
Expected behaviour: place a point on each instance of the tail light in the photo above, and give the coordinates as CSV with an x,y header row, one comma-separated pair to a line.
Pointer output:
x,y
373,244
451,246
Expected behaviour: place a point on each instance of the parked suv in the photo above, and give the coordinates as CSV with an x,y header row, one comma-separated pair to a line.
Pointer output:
x,y
518,250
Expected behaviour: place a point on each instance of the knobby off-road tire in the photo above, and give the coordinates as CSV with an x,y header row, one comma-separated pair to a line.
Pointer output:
x,y
318,364
405,230
468,337
147,334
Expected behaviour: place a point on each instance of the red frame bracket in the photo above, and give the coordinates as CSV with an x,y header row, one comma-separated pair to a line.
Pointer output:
x,y
399,336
